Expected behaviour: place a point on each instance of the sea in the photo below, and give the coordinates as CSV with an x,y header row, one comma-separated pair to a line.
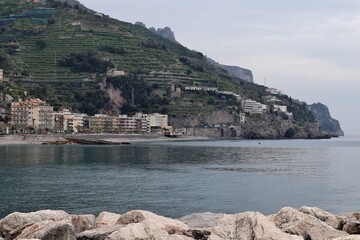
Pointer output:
x,y
178,178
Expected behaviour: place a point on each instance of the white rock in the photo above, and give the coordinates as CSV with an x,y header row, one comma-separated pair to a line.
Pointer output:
x,y
83,222
324,216
96,234
352,227
19,220
353,237
201,220
248,225
292,221
49,229
146,225
107,219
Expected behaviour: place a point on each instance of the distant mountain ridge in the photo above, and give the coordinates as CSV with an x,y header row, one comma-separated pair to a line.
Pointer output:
x,y
165,32
234,71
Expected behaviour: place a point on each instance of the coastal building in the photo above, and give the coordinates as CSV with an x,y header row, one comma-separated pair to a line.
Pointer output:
x,y
271,99
66,121
130,124
1,74
153,123
251,106
274,91
281,108
32,113
242,117
115,73
39,115
102,123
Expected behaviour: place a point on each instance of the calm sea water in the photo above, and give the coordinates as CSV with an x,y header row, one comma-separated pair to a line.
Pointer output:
x,y
178,178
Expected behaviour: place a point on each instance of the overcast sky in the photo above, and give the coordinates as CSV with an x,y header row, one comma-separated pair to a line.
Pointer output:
x,y
309,49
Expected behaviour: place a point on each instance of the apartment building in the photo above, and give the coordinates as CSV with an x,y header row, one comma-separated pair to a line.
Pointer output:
x,y
251,106
32,113
102,123
66,121
153,123
1,74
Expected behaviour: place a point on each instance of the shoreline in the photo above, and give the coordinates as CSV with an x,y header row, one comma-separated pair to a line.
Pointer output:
x,y
89,139
288,224
108,139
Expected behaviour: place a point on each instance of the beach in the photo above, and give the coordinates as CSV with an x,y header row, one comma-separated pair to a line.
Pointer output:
x,y
89,138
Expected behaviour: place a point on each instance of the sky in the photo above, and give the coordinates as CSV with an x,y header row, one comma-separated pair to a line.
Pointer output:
x,y
309,49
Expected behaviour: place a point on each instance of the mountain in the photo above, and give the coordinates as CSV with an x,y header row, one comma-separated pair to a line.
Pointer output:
x,y
329,125
163,32
87,62
234,71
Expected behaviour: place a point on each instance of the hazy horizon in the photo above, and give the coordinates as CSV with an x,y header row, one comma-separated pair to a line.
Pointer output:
x,y
307,49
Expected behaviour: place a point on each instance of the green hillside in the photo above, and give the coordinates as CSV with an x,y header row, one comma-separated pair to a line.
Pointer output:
x,y
60,52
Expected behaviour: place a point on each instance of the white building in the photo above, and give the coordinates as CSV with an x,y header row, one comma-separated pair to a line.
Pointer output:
x,y
274,91
281,108
242,117
1,74
155,122
115,73
251,106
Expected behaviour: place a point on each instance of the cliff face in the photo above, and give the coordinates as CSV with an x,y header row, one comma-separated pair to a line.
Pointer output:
x,y
165,33
226,125
328,124
234,71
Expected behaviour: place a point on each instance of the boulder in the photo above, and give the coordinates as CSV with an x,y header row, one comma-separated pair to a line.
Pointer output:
x,y
18,220
351,222
248,225
83,222
96,234
352,227
201,220
48,229
292,221
351,216
328,218
348,238
146,225
107,219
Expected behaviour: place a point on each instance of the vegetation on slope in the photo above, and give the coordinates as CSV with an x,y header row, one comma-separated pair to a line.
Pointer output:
x,y
62,57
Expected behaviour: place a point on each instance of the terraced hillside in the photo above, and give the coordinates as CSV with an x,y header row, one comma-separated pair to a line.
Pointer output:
x,y
32,52
61,52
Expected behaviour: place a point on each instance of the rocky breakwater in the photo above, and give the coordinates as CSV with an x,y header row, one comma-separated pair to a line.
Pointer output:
x,y
289,224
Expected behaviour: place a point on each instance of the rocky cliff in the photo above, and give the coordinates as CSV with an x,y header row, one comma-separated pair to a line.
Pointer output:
x,y
288,224
329,125
165,32
223,124
234,71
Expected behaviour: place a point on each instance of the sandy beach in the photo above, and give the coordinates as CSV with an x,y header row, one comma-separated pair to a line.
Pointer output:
x,y
106,138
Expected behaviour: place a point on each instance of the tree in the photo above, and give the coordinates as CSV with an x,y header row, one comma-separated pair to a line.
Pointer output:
x,y
40,44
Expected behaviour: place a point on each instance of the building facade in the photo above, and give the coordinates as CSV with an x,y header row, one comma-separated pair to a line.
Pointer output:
x,y
32,113
251,106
